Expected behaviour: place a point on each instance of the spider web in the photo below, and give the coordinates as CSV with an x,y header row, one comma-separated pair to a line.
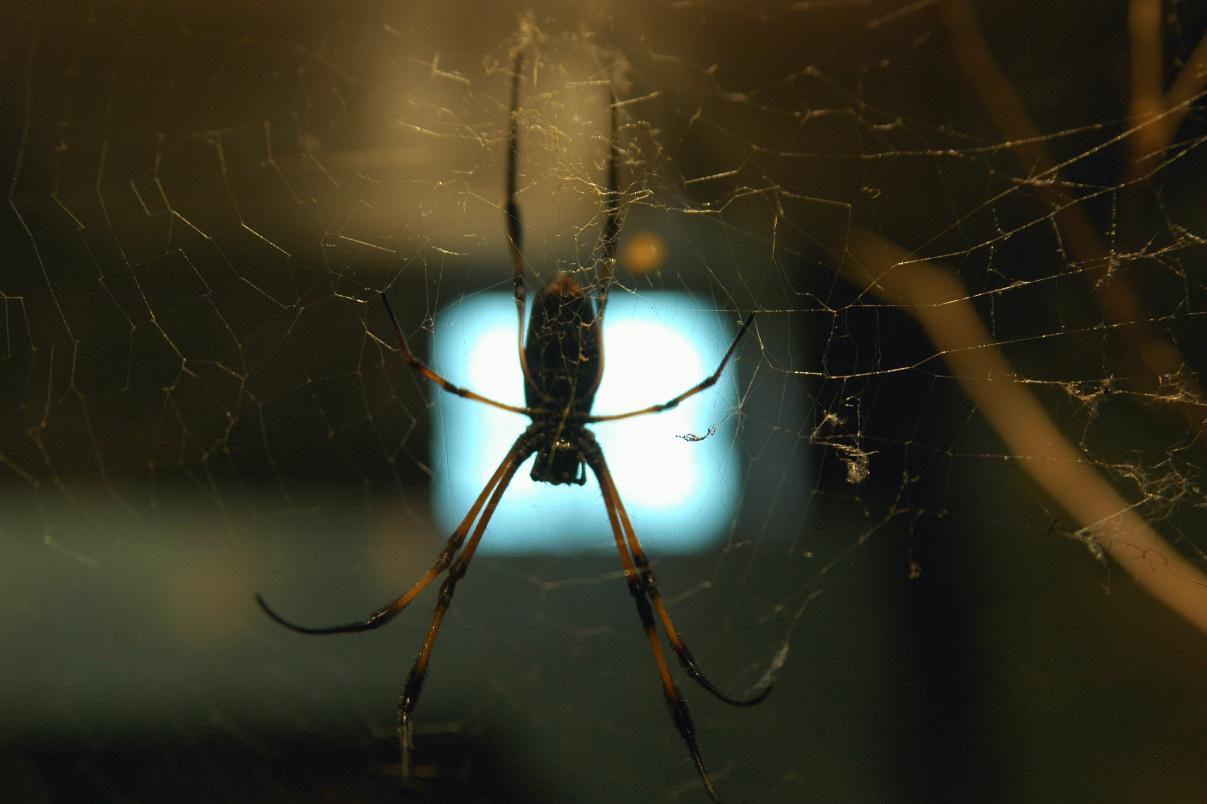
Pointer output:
x,y
969,548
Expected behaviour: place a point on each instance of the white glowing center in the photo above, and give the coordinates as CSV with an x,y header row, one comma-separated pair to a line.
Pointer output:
x,y
679,493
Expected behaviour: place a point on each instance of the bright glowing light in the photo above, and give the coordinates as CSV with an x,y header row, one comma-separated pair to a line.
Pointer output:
x,y
679,493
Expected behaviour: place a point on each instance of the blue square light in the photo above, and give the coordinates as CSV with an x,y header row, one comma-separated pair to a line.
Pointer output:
x,y
680,492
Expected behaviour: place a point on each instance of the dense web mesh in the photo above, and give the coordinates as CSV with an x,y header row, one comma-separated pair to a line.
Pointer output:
x,y
969,544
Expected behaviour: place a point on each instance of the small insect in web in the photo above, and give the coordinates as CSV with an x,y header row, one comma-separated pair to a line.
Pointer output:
x,y
562,363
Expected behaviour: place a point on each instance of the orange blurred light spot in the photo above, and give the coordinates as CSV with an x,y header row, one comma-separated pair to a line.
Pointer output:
x,y
643,252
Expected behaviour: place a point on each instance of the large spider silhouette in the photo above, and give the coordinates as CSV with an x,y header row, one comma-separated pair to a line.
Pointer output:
x,y
562,363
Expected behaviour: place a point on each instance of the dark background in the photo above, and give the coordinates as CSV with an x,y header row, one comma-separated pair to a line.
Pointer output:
x,y
196,403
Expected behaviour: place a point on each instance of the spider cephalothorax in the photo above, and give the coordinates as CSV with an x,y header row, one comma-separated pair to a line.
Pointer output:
x,y
562,363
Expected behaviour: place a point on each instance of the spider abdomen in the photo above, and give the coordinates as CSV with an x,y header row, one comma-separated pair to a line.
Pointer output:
x,y
562,350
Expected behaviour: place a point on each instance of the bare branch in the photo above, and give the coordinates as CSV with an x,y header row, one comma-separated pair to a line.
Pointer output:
x,y
1117,296
1185,87
939,302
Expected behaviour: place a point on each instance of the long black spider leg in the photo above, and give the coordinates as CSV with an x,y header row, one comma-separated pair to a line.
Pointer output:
x,y
611,232
392,609
523,447
706,383
515,223
611,227
674,698
686,660
419,366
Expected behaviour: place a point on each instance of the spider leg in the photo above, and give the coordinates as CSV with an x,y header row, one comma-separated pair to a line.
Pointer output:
x,y
682,652
524,446
422,368
611,231
704,384
515,224
670,691
391,610
611,228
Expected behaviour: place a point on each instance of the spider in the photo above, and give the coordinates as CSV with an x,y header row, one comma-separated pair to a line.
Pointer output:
x,y
562,363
